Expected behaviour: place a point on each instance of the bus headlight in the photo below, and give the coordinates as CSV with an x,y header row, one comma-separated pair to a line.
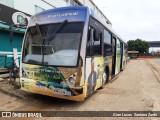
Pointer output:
x,y
72,80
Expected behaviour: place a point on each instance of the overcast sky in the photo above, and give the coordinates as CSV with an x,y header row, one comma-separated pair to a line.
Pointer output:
x,y
133,19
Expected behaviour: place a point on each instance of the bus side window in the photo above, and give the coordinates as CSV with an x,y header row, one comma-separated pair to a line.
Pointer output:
x,y
94,43
98,44
89,50
107,43
88,43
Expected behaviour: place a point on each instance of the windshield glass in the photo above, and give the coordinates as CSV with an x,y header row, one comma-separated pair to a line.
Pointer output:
x,y
53,44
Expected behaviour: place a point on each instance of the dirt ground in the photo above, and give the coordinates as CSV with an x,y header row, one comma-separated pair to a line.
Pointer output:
x,y
137,88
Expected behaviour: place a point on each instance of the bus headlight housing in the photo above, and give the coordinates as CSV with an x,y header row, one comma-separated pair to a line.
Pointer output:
x,y
72,80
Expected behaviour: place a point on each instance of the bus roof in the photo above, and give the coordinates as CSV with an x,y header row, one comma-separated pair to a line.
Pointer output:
x,y
57,15
108,26
71,13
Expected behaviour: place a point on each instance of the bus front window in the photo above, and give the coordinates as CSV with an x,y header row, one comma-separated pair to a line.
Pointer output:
x,y
51,46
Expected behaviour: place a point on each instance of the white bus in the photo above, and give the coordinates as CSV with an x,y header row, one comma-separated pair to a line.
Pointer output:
x,y
68,53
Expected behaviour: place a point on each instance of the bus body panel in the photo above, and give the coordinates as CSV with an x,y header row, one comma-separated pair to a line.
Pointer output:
x,y
52,81
34,78
110,61
55,81
30,85
83,48
94,72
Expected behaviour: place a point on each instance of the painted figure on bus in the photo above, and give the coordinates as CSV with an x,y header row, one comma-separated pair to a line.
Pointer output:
x,y
92,78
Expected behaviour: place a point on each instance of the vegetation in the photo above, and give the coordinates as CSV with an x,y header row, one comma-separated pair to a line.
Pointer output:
x,y
138,45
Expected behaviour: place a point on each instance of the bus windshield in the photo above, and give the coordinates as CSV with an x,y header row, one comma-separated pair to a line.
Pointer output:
x,y
53,44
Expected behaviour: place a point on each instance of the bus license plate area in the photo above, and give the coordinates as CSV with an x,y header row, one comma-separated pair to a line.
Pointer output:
x,y
60,91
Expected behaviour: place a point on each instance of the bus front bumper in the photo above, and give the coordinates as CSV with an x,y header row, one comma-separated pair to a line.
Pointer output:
x,y
70,93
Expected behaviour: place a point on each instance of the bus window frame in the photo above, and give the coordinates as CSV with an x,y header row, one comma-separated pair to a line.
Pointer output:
x,y
114,47
100,28
79,50
92,41
111,45
100,40
110,34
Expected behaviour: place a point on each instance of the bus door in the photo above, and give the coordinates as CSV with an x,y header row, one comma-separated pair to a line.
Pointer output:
x,y
118,57
121,49
94,60
114,55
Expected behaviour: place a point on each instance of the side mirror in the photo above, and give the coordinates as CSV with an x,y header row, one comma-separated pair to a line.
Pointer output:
x,y
12,27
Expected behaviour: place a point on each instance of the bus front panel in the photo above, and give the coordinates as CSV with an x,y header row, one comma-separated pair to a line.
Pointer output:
x,y
52,61
53,81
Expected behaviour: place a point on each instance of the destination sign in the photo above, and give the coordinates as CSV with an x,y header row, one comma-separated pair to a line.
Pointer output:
x,y
57,16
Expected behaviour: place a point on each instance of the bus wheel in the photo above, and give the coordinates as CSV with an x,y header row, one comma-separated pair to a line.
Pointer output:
x,y
104,79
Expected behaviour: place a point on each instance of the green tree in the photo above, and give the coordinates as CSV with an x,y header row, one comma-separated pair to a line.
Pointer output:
x,y
138,45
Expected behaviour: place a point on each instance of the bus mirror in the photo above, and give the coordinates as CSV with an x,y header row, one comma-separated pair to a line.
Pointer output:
x,y
96,35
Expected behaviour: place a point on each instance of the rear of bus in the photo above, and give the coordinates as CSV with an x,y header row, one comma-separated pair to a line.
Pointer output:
x,y
53,56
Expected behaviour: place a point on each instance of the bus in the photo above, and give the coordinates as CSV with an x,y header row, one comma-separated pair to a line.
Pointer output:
x,y
69,53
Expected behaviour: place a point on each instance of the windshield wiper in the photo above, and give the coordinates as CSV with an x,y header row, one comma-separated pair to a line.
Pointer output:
x,y
52,35
43,44
39,31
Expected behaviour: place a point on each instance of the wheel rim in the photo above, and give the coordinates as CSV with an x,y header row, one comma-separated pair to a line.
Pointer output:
x,y
104,78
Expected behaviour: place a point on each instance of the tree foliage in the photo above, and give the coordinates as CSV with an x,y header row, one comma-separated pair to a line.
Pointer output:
x,y
138,45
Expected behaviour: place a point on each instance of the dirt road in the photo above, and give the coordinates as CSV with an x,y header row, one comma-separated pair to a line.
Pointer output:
x,y
136,89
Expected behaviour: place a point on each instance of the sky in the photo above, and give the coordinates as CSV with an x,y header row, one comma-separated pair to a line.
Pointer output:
x,y
133,19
